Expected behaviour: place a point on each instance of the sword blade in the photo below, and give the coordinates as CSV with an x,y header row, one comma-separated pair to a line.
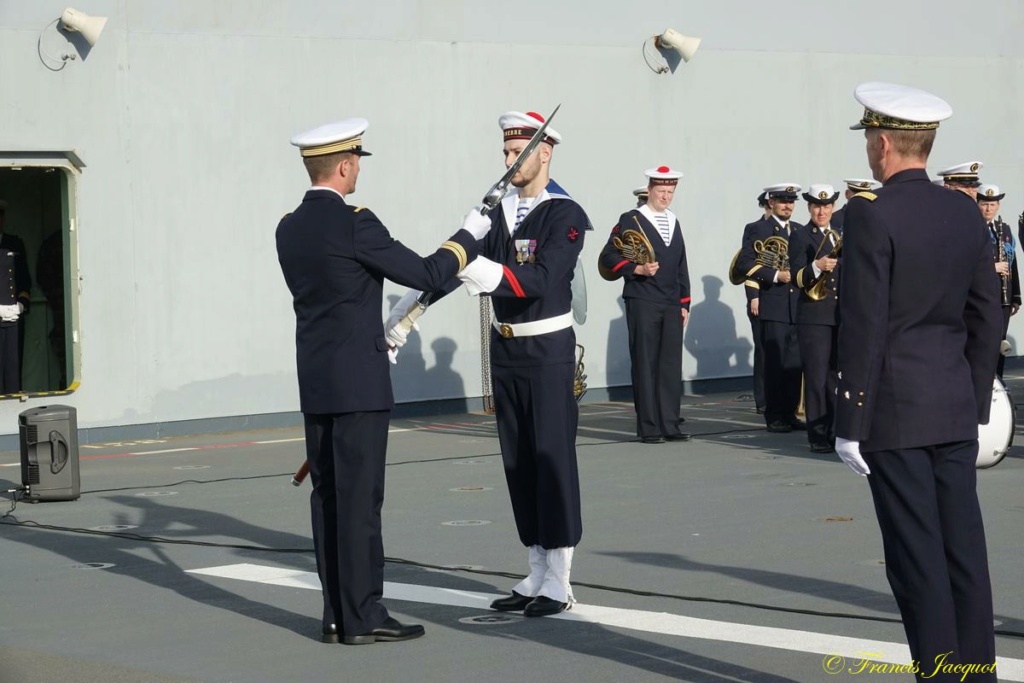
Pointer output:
x,y
498,190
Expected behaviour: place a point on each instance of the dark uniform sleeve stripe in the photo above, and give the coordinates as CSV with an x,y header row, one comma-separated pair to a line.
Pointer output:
x,y
517,288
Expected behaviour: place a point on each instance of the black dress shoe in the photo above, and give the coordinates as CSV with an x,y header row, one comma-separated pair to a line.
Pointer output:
x,y
759,411
512,603
681,436
798,425
544,606
822,448
780,427
329,634
653,439
682,420
390,630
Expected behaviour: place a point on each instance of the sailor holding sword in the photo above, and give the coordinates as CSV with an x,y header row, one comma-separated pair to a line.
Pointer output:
x,y
526,265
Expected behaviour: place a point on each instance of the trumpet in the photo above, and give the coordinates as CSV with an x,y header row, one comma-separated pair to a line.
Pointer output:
x,y
820,289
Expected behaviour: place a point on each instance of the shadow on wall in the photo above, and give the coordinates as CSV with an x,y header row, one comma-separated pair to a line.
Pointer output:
x,y
412,380
711,337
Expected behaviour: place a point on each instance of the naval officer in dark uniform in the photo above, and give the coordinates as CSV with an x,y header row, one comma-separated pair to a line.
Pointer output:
x,y
526,266
916,362
657,296
963,177
1004,253
769,282
813,256
335,257
15,287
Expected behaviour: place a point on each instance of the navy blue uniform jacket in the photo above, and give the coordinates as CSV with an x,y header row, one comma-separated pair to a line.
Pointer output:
x,y
778,299
805,247
921,321
671,284
537,287
334,258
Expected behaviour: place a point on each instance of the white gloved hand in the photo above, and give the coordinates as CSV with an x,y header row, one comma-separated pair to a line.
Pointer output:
x,y
21,308
393,355
9,314
849,452
481,275
395,334
476,224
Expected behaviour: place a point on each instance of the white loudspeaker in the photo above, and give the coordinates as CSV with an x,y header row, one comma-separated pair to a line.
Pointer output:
x,y
90,27
686,46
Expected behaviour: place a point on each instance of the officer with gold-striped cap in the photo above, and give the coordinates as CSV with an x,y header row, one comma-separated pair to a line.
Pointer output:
x,y
334,257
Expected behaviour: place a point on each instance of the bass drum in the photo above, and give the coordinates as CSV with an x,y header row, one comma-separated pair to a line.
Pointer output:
x,y
996,437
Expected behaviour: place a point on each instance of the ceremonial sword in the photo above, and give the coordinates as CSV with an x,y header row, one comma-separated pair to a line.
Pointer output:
x,y
490,201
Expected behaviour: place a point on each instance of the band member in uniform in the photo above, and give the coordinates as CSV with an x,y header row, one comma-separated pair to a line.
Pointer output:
x,y
853,186
752,308
657,296
15,288
963,177
526,266
813,257
1004,253
916,362
772,298
334,258
641,195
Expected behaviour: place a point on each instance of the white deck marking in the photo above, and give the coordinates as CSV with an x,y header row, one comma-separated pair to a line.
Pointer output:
x,y
853,649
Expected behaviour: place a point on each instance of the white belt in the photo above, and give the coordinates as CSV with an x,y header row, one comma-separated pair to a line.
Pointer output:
x,y
532,329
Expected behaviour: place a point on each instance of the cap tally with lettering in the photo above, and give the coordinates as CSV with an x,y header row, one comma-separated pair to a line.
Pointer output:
x,y
519,126
663,175
899,107
332,138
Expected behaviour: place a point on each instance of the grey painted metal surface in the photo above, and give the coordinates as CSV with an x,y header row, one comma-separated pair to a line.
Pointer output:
x,y
183,109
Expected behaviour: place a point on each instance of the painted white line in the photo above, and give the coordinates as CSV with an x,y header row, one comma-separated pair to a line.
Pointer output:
x,y
11,464
301,438
663,623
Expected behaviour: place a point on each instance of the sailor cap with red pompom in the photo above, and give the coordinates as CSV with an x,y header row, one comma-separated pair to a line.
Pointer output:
x,y
520,126
663,175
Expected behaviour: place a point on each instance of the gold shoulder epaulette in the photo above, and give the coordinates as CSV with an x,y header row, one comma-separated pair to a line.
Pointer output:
x,y
870,196
358,209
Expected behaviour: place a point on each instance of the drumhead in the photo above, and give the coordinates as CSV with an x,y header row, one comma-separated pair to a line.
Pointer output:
x,y
996,437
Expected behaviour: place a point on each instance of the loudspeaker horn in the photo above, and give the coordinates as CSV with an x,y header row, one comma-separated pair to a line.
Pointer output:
x,y
90,27
686,46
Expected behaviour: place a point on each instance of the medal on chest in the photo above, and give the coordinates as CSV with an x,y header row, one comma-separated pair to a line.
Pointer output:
x,y
526,251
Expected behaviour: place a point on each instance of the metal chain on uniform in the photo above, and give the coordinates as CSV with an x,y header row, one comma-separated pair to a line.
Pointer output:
x,y
485,354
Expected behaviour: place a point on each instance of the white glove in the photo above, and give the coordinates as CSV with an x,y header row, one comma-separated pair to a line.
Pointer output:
x,y
9,314
21,308
393,355
476,224
481,275
395,334
849,451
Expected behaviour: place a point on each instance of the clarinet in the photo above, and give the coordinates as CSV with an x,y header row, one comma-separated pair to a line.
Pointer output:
x,y
1004,279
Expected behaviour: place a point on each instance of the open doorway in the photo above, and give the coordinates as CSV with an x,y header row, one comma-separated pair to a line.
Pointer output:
x,y
37,347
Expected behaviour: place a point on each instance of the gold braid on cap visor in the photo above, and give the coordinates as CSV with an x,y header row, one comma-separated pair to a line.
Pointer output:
x,y
872,119
334,147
